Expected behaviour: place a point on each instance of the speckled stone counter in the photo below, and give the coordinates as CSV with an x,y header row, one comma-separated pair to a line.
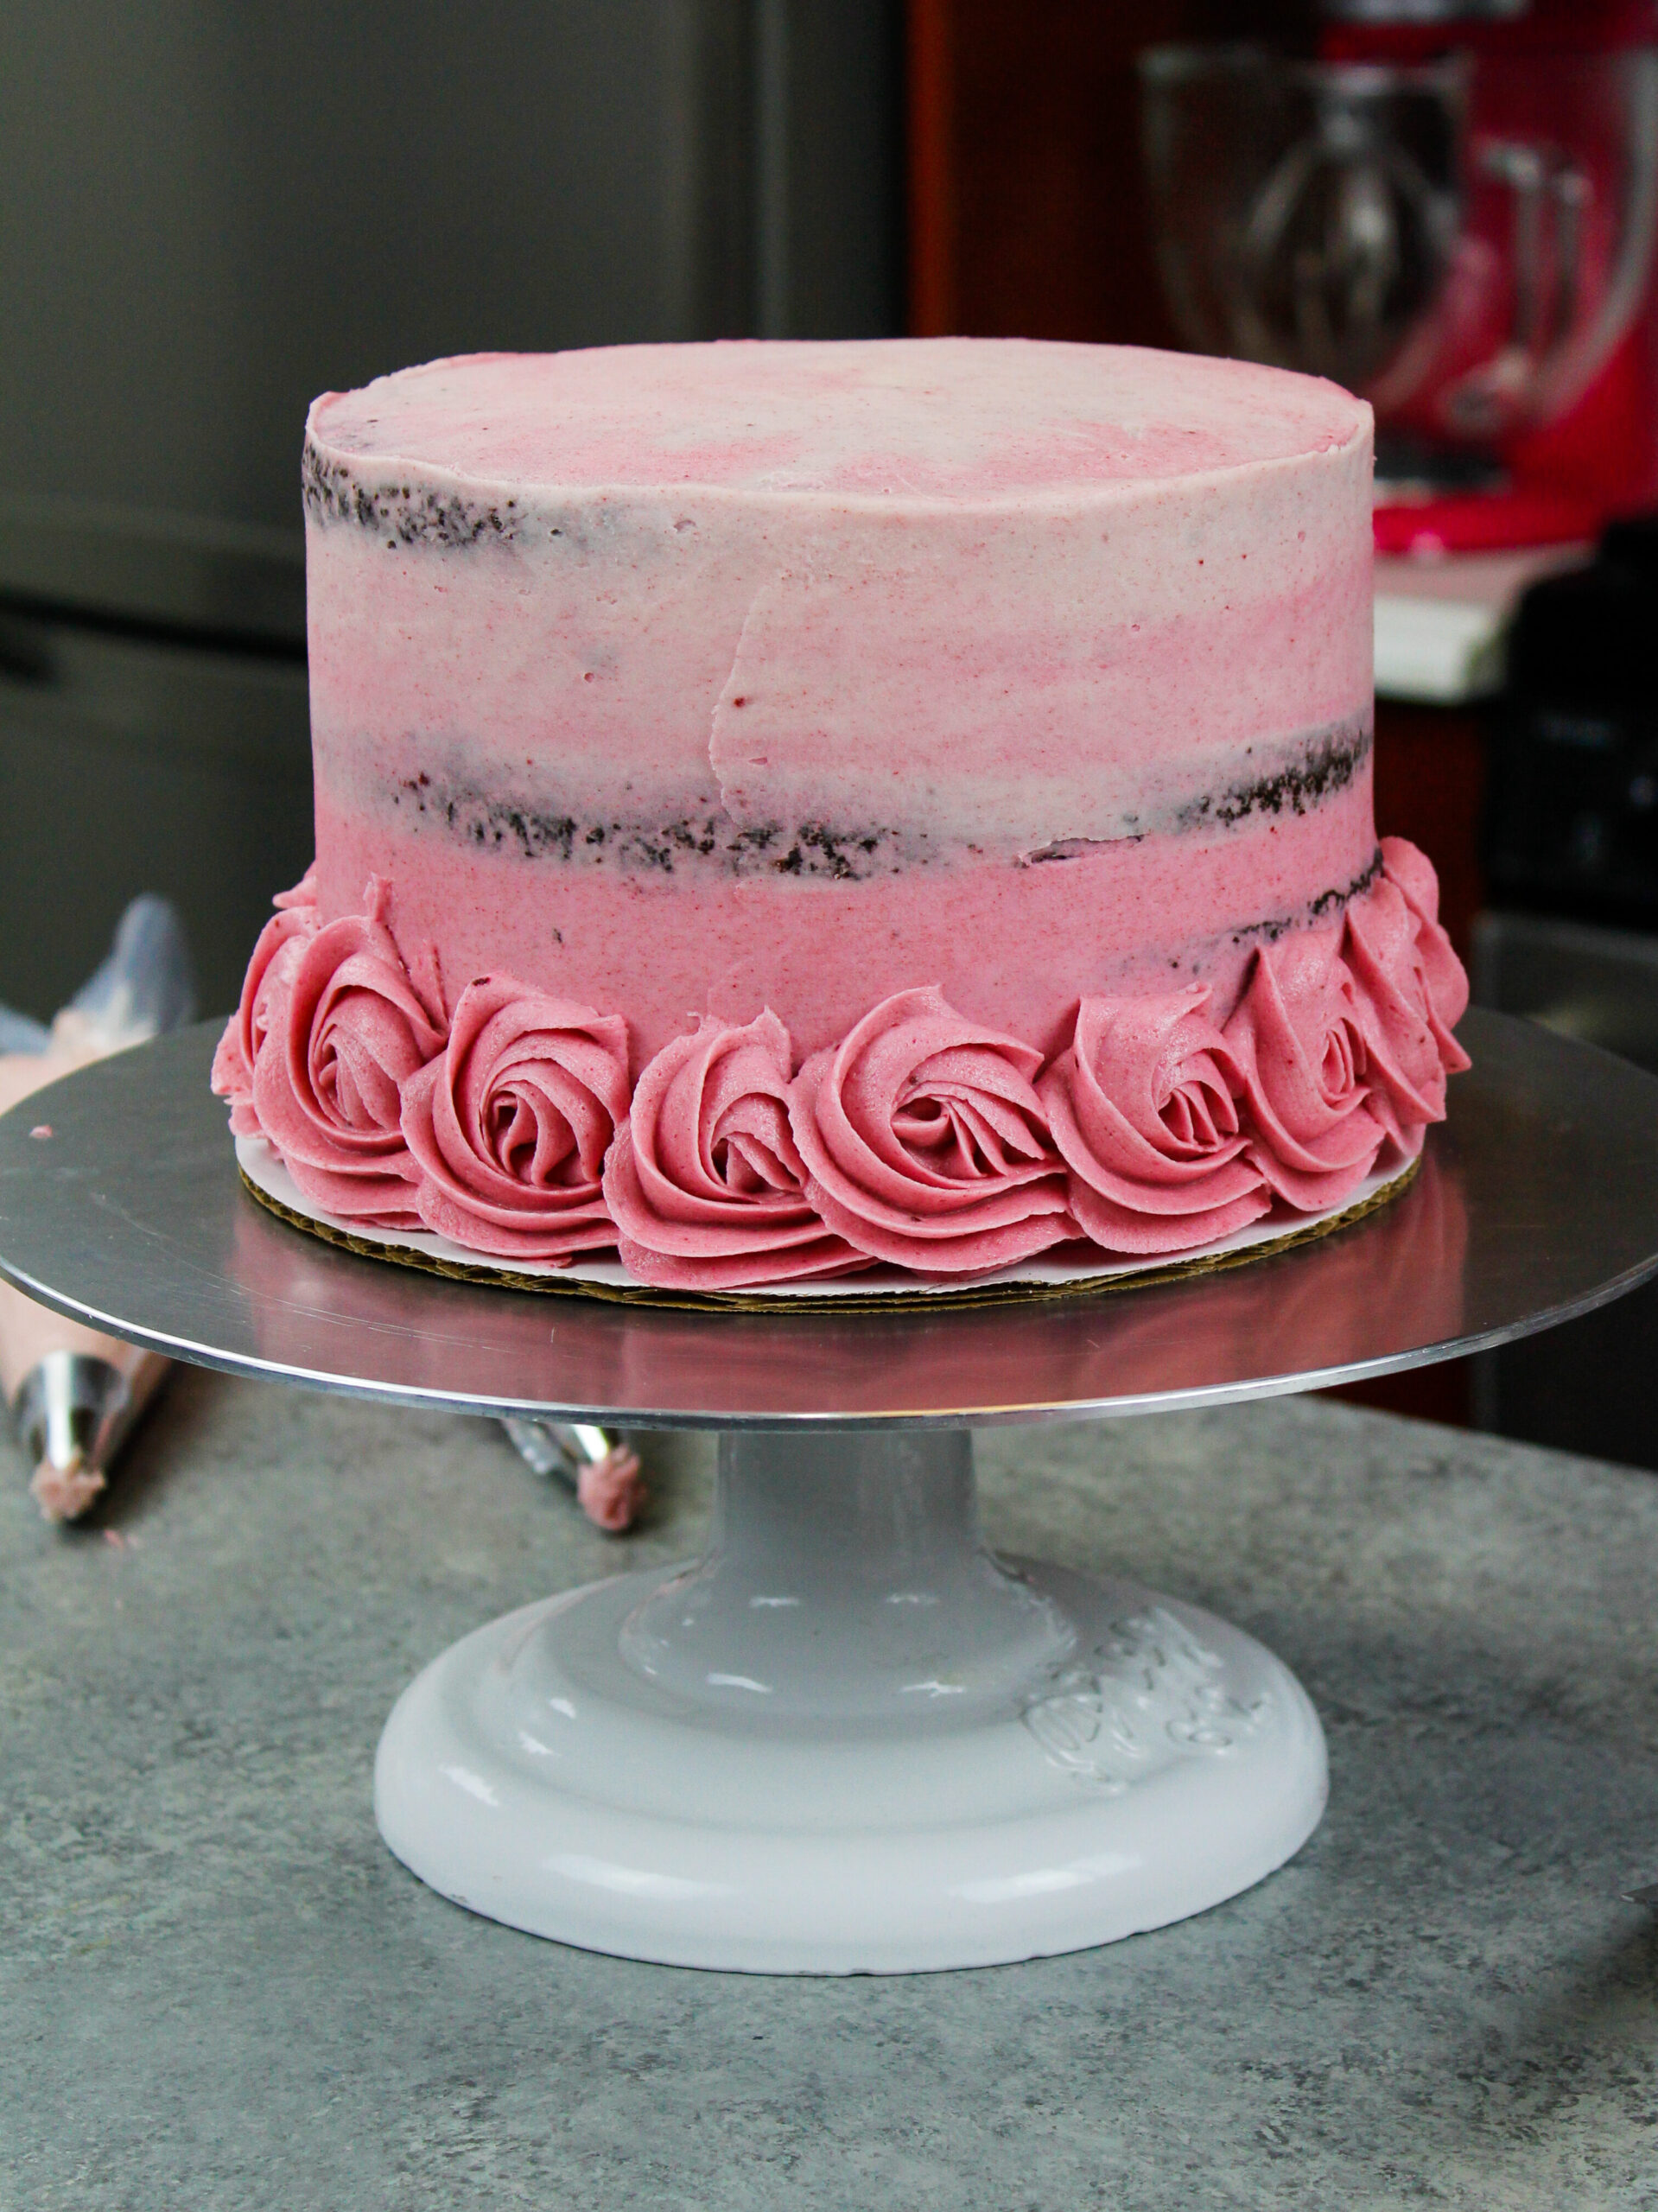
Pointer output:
x,y
218,1990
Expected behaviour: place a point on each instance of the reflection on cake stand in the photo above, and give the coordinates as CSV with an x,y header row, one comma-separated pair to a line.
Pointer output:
x,y
849,1739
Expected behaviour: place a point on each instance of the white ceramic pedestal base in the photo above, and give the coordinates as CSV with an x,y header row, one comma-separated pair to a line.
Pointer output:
x,y
849,1740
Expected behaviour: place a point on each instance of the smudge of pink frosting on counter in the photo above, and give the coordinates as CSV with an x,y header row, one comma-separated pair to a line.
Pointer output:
x,y
1144,1107
924,1138
704,1182
346,1029
925,1142
510,1123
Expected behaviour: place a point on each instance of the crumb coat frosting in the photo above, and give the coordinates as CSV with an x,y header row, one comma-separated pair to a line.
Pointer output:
x,y
1031,669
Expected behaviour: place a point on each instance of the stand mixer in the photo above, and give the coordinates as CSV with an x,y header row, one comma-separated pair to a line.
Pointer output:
x,y
1453,210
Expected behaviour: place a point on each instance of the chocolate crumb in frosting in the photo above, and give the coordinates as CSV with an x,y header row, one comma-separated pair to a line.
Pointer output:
x,y
404,515
807,849
1328,766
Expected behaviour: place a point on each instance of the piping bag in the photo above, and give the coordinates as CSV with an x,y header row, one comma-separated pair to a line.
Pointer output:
x,y
601,1472
75,1395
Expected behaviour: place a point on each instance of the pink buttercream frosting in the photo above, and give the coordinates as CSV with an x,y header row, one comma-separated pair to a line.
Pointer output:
x,y
700,679
1444,978
279,945
1298,1036
704,1183
1177,1133
1410,1049
301,897
1144,1107
925,1142
924,1138
347,1027
510,1123
1344,1037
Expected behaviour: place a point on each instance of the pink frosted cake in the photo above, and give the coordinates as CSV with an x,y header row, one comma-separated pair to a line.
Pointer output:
x,y
786,808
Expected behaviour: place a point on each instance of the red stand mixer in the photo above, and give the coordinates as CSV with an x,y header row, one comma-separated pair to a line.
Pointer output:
x,y
1453,210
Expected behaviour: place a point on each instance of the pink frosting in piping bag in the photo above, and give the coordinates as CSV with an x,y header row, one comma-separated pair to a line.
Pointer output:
x,y
612,1492
510,1125
705,1183
926,1143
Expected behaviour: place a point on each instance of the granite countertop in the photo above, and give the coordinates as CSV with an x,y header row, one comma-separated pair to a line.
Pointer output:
x,y
216,1989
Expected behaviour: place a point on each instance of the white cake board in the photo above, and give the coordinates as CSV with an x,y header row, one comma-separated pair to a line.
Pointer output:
x,y
847,1739
1070,1267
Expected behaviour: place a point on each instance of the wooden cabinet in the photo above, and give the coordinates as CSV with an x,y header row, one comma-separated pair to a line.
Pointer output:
x,y
1026,215
1430,781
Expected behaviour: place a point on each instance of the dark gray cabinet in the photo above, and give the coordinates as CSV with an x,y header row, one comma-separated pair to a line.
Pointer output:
x,y
209,212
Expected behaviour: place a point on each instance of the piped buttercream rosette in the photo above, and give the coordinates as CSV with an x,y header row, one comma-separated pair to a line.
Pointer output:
x,y
923,1141
1143,1106
279,945
510,1123
704,1182
1298,1036
1411,990
344,1027
1343,1035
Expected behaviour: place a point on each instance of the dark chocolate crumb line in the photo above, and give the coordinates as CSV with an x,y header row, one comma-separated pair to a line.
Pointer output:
x,y
1328,766
818,850
1316,910
405,515
808,849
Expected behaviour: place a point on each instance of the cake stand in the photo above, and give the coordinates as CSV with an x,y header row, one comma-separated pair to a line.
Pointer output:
x,y
849,1739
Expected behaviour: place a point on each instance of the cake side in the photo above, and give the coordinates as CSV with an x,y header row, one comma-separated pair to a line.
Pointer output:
x,y
1131,709
902,802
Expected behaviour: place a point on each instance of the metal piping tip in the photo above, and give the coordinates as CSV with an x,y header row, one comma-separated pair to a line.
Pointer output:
x,y
73,1413
602,1474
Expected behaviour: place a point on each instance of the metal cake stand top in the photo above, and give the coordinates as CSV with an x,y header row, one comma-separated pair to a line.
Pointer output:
x,y
1537,1201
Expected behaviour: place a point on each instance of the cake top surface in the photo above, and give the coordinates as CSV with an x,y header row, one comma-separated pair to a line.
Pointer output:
x,y
960,420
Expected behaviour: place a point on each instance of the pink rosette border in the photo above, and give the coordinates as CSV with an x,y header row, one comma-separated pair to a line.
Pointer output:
x,y
271,967
704,1182
1144,1105
923,1141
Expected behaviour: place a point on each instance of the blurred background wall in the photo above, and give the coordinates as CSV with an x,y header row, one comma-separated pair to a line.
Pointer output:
x,y
212,210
